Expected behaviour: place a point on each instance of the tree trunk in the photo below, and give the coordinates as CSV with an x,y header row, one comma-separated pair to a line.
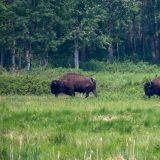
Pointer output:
x,y
134,46
118,57
13,62
154,50
46,61
154,37
130,37
76,55
110,53
143,48
156,32
2,59
83,52
13,57
29,59
41,63
156,47
110,48
19,61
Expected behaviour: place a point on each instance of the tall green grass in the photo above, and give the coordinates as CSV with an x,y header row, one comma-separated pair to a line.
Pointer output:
x,y
121,123
46,127
125,77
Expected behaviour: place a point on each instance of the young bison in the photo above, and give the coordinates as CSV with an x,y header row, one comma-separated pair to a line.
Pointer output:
x,y
153,87
71,83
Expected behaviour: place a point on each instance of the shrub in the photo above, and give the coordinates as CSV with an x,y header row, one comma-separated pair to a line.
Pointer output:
x,y
23,85
127,66
123,77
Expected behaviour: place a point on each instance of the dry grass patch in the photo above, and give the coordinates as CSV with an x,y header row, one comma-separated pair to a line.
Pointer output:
x,y
109,118
120,157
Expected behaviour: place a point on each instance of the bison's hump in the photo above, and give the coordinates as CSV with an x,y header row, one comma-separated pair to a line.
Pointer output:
x,y
73,76
156,82
75,79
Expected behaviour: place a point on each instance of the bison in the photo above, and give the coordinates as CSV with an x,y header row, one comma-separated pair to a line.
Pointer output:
x,y
73,82
152,88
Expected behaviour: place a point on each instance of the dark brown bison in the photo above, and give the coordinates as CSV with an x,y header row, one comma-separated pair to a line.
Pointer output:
x,y
152,88
73,82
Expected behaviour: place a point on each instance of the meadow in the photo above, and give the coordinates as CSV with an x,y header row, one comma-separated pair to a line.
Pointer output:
x,y
120,124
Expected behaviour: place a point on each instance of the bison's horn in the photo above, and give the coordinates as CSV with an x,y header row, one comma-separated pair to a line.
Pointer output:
x,y
151,83
55,82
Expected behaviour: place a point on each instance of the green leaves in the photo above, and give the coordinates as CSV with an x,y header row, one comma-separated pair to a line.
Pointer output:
x,y
53,27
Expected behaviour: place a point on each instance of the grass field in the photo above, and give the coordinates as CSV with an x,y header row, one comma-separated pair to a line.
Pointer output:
x,y
119,124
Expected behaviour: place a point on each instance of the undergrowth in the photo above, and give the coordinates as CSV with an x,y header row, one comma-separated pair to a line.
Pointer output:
x,y
121,123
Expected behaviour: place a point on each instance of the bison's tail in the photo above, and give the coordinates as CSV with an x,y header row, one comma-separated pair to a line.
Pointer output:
x,y
94,87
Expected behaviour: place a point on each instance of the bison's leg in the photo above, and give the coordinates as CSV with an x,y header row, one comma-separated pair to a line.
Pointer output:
x,y
56,95
94,92
87,93
71,93
88,90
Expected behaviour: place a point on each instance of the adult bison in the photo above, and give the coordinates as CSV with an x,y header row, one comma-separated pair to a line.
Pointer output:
x,y
73,82
153,87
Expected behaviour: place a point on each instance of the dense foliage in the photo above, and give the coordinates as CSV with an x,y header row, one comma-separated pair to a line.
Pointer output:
x,y
121,123
109,77
42,32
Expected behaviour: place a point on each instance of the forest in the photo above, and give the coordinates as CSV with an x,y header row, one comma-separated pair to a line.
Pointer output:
x,y
68,33
115,43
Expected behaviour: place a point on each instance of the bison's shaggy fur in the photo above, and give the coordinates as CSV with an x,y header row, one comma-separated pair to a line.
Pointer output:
x,y
73,82
152,88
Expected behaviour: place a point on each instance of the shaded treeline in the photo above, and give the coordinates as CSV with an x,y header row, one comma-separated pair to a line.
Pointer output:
x,y
70,32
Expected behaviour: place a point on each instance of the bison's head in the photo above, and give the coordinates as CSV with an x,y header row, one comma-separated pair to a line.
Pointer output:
x,y
149,89
56,87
